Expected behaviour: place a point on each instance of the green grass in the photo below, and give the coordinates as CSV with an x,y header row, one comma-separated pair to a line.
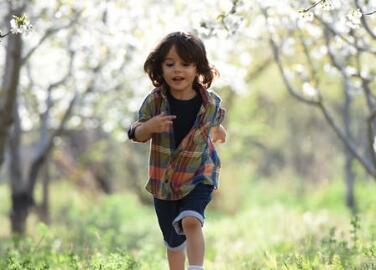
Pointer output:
x,y
275,227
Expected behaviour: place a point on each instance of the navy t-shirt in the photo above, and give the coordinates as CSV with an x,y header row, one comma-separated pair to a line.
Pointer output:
x,y
186,113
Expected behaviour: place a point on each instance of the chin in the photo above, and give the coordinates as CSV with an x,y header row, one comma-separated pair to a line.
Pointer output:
x,y
179,87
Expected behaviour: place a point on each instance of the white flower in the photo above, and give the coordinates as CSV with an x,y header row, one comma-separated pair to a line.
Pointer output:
x,y
266,3
350,71
327,5
20,25
300,72
306,16
353,18
309,90
13,26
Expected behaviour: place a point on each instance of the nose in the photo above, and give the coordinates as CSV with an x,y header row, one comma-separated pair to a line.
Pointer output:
x,y
178,68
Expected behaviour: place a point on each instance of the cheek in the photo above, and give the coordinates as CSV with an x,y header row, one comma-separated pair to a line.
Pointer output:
x,y
165,72
194,72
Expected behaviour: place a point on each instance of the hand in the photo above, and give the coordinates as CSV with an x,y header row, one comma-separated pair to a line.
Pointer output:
x,y
218,134
159,123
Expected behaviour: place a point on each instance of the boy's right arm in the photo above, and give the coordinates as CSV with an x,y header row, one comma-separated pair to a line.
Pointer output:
x,y
157,124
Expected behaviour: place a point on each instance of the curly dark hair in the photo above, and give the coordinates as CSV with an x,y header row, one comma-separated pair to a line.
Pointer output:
x,y
190,49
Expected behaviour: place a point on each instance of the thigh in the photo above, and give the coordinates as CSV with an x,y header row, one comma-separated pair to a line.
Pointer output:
x,y
166,212
193,205
197,199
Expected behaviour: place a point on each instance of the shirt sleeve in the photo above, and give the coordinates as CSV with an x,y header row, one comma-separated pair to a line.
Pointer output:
x,y
220,112
145,112
147,109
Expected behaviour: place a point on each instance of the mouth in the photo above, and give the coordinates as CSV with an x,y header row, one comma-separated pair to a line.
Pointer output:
x,y
178,79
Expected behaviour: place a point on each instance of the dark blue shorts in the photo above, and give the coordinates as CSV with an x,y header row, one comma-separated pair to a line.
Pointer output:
x,y
171,213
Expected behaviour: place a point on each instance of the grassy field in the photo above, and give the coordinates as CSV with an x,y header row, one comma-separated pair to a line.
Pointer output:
x,y
275,227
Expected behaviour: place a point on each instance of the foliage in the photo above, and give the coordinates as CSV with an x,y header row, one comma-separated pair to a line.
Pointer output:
x,y
281,192
267,232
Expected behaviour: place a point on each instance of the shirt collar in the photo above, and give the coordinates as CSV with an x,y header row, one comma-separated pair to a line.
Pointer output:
x,y
207,100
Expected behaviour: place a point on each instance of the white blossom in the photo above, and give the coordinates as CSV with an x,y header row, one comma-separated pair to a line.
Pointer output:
x,y
309,90
355,88
319,53
365,73
330,70
233,22
350,71
266,3
353,18
299,69
314,31
244,6
327,5
306,16
20,25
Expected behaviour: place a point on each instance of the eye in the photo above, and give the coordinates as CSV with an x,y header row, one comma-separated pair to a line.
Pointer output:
x,y
169,64
186,64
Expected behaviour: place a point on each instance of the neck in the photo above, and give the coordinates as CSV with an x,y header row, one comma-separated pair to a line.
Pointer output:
x,y
184,95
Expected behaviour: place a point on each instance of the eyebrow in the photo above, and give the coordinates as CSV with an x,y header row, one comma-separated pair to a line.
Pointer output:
x,y
171,59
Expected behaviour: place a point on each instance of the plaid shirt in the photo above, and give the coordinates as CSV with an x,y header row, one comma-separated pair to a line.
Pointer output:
x,y
174,172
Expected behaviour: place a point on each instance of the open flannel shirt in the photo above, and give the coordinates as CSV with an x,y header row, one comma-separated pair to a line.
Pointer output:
x,y
174,172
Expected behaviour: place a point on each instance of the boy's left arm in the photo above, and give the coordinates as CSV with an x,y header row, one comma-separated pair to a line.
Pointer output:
x,y
218,134
217,131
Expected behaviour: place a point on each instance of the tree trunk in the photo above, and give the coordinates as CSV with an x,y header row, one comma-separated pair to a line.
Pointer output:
x,y
349,157
349,180
8,92
21,198
44,210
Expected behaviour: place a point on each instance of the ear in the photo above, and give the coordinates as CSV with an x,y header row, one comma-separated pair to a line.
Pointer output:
x,y
197,78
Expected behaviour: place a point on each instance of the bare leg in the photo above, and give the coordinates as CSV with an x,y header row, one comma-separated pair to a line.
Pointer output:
x,y
176,259
195,240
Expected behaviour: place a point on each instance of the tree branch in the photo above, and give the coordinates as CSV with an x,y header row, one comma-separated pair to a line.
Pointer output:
x,y
253,74
307,54
49,103
3,36
370,13
277,59
364,21
332,57
39,160
322,1
312,6
49,33
333,31
43,154
348,143
370,99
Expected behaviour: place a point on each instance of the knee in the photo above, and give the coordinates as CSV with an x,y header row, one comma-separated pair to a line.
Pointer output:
x,y
190,224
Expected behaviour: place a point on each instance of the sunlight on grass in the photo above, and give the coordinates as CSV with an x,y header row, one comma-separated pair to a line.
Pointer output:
x,y
93,231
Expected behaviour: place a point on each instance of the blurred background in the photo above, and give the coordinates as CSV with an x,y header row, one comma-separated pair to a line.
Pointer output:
x,y
297,184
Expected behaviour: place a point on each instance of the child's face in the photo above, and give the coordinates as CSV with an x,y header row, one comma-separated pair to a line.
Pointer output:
x,y
178,74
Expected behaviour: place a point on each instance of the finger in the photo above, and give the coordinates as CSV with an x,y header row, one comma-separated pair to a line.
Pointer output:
x,y
167,128
169,117
167,124
219,140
